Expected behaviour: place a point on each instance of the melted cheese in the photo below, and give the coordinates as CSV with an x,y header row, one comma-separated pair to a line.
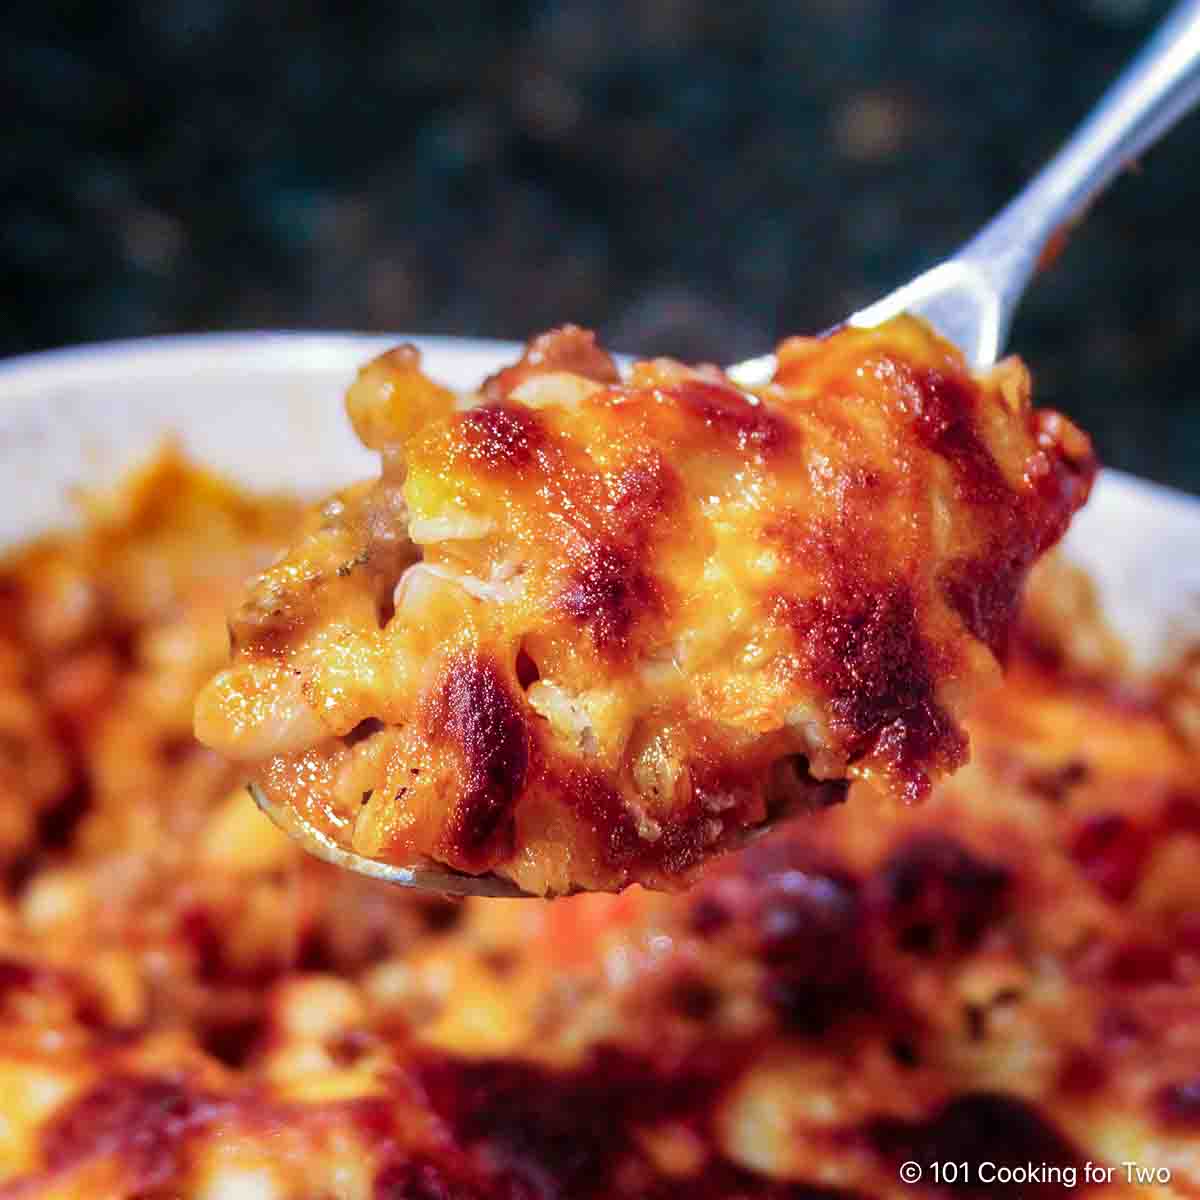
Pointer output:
x,y
580,623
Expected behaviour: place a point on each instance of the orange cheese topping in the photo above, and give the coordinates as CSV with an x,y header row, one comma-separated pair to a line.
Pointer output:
x,y
1008,973
587,629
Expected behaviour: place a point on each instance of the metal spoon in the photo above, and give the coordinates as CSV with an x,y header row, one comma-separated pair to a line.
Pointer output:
x,y
970,299
431,877
435,877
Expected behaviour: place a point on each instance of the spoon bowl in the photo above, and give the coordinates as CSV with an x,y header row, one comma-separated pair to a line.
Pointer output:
x,y
428,878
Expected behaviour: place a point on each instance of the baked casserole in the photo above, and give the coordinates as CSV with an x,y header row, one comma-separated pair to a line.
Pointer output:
x,y
192,1007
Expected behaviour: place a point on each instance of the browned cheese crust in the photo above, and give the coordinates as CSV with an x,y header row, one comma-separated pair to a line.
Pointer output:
x,y
589,629
193,1009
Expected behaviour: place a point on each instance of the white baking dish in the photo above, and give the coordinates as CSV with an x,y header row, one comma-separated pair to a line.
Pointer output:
x,y
266,409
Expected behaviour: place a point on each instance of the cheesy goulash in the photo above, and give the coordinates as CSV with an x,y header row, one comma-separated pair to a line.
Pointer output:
x,y
191,1008
587,630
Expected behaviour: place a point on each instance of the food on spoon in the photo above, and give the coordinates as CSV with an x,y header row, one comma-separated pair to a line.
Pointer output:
x,y
588,629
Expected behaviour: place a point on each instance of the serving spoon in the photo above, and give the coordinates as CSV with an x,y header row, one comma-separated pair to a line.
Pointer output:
x,y
970,299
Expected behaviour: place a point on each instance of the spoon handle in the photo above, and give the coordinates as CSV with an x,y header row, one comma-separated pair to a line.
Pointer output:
x,y
1151,94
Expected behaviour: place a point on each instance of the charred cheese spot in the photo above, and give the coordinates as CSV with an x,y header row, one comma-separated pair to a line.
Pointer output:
x,y
140,1121
944,411
603,813
640,495
711,818
609,592
986,593
736,422
501,437
810,926
475,709
940,897
879,673
541,1124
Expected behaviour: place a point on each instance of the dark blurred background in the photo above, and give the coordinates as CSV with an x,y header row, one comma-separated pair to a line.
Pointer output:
x,y
693,177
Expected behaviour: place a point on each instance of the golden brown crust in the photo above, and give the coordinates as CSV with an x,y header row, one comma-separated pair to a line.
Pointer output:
x,y
191,1007
608,607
